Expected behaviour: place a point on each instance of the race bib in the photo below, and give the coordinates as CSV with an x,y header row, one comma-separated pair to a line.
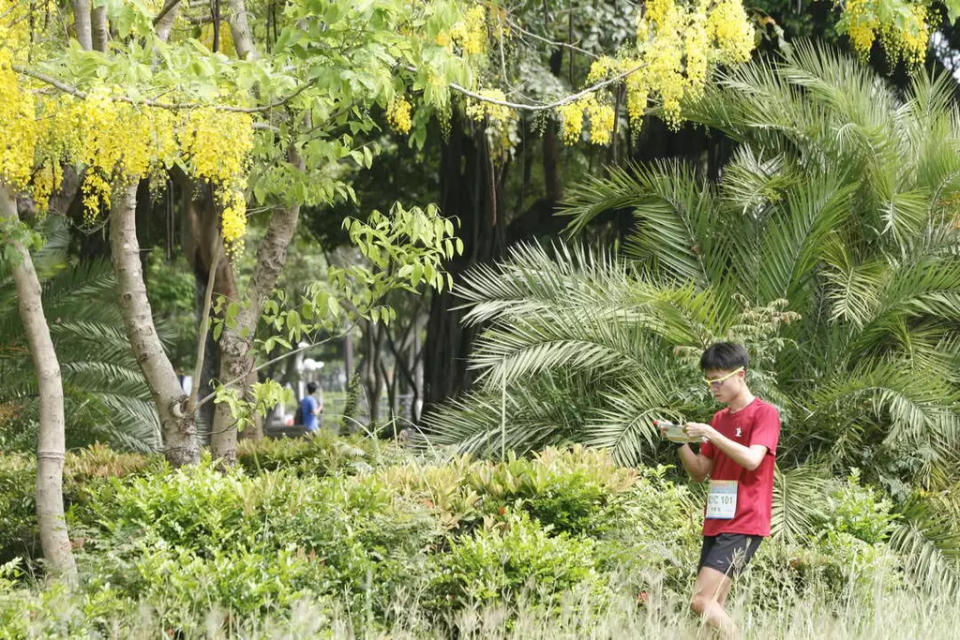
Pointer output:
x,y
722,499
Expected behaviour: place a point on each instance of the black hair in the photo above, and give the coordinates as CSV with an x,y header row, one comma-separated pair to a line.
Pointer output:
x,y
311,387
724,356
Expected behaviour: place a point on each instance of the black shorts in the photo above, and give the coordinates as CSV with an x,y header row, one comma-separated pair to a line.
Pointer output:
x,y
728,553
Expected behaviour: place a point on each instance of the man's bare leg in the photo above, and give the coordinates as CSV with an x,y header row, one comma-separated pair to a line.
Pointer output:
x,y
709,593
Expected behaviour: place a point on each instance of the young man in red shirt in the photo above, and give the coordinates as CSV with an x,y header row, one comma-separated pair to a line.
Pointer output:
x,y
737,453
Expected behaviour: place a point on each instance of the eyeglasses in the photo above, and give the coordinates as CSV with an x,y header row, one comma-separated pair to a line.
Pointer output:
x,y
716,382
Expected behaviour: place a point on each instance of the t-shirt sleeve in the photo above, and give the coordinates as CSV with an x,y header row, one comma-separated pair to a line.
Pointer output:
x,y
766,429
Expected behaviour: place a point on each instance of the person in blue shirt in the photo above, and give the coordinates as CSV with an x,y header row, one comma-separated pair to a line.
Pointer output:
x,y
310,408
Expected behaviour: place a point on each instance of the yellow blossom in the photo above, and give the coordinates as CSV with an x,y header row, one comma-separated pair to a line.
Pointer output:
x,y
602,120
601,68
398,115
471,32
730,28
571,118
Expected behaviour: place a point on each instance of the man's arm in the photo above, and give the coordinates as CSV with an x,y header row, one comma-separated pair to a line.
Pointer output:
x,y
698,466
747,457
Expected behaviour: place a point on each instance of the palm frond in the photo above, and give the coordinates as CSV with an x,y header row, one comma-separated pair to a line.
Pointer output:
x,y
797,494
795,234
928,540
532,280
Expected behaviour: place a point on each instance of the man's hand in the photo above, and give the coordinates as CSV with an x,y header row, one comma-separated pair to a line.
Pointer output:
x,y
701,430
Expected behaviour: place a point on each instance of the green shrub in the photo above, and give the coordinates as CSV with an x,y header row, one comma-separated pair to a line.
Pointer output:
x,y
18,478
54,612
317,455
198,508
517,558
573,490
182,585
657,535
856,510
252,544
100,461
577,491
372,542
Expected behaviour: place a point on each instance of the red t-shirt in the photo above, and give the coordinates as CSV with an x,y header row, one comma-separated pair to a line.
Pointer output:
x,y
756,423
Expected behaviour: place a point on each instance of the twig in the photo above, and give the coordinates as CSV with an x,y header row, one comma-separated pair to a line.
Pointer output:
x,y
210,396
552,43
204,327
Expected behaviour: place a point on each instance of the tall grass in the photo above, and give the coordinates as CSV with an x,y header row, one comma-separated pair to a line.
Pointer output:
x,y
790,615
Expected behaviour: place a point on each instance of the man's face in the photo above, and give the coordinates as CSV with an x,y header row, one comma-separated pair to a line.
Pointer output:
x,y
725,384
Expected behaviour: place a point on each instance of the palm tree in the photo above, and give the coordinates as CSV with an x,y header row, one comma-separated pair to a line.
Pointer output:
x,y
105,396
830,246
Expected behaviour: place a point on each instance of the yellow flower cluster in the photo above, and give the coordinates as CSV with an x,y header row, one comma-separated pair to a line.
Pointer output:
x,y
660,12
602,68
471,32
217,146
114,140
637,91
902,27
19,128
601,118
398,114
233,221
678,42
571,121
731,31
15,24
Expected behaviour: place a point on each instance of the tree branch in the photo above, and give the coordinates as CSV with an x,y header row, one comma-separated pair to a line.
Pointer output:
x,y
541,107
79,93
167,8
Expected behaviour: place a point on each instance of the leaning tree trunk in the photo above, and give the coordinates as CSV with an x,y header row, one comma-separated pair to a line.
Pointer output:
x,y
236,342
52,440
179,428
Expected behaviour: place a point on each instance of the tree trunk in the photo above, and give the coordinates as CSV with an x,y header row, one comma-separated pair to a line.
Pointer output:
x,y
81,23
179,429
101,31
51,445
469,191
236,343
240,30
165,24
